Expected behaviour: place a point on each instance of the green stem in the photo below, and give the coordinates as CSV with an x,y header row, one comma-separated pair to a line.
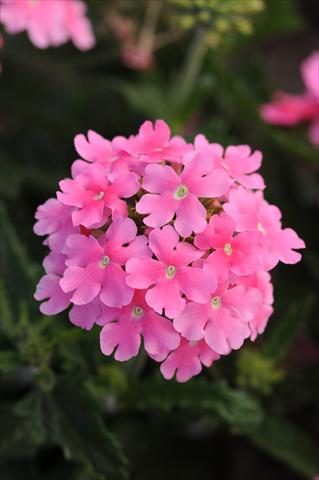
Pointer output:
x,y
187,77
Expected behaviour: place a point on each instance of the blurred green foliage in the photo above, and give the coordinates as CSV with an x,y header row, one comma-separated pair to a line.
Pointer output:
x,y
68,412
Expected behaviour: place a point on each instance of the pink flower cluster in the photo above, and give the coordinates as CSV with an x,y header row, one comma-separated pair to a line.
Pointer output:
x,y
159,240
289,110
48,22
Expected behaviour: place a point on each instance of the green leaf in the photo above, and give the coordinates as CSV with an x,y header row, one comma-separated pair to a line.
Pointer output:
x,y
22,427
17,272
240,410
289,444
78,427
287,328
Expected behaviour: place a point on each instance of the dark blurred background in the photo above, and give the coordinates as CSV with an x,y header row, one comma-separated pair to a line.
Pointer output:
x,y
68,412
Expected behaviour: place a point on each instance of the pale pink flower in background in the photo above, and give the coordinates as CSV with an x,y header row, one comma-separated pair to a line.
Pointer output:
x,y
288,110
250,211
170,275
95,196
238,254
137,56
48,23
95,266
187,360
223,321
129,324
154,143
173,194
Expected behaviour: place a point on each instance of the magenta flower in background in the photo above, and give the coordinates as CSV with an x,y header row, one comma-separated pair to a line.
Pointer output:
x,y
289,110
136,277
48,23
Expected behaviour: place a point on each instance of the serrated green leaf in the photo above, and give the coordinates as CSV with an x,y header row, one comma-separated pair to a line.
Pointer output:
x,y
22,427
77,426
240,410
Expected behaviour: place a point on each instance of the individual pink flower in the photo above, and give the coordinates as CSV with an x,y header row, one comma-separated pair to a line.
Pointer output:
x,y
95,266
237,254
289,110
186,361
129,324
223,321
95,148
169,276
173,194
250,211
238,161
49,22
241,163
155,144
95,196
54,219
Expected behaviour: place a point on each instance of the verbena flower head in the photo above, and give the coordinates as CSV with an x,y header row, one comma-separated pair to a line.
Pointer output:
x,y
289,110
153,239
48,23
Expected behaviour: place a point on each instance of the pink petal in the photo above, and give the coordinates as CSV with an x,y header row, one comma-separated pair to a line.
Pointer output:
x,y
84,282
162,243
165,295
143,272
84,316
49,288
160,207
191,322
190,216
122,230
115,292
196,284
160,179
123,335
159,335
215,184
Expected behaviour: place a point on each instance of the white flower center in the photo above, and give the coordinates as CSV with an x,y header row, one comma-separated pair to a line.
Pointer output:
x,y
105,261
137,312
99,196
261,228
215,302
170,271
181,192
227,249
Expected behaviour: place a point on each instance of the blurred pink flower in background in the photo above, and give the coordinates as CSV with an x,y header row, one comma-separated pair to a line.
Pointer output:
x,y
48,23
288,110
